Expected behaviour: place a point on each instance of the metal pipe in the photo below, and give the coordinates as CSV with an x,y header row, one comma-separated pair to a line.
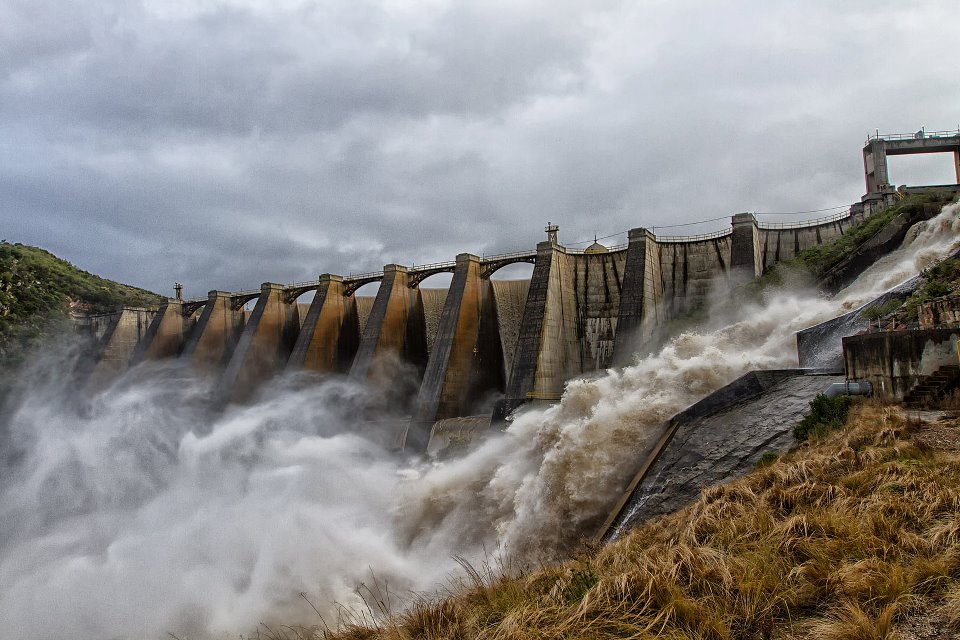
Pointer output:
x,y
850,388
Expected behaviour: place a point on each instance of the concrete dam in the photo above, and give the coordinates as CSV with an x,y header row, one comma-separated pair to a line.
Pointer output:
x,y
519,341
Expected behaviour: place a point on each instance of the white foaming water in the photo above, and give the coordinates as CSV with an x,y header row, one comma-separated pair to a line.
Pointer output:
x,y
140,512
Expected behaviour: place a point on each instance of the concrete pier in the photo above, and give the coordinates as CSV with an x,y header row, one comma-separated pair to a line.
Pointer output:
x,y
165,336
548,348
746,259
210,344
453,367
394,331
641,310
264,345
330,334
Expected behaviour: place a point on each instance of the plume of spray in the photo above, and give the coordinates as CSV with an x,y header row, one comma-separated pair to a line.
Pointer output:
x,y
139,511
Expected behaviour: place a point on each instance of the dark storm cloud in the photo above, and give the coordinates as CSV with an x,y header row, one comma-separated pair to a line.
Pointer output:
x,y
227,143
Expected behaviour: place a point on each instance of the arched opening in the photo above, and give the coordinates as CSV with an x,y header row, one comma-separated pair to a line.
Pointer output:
x,y
437,281
303,302
363,299
433,296
515,271
509,286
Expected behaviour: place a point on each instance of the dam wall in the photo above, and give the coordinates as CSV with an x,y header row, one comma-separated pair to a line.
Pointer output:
x,y
598,280
781,242
509,298
451,352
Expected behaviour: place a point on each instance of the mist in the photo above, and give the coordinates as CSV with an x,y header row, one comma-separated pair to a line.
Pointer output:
x,y
140,510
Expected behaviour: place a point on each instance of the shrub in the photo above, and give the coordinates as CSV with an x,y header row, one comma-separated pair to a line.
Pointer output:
x,y
767,459
939,280
826,414
877,311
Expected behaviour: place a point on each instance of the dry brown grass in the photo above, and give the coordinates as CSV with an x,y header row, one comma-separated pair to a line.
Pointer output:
x,y
951,401
843,538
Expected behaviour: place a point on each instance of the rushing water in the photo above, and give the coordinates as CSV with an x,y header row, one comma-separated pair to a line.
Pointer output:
x,y
139,511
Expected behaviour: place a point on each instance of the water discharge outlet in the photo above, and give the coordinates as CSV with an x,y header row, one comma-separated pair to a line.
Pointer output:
x,y
850,388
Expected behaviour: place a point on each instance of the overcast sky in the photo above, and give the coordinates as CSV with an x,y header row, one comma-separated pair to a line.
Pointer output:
x,y
224,143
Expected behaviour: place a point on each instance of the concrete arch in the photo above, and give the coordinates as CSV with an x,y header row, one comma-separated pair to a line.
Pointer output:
x,y
352,283
491,265
419,274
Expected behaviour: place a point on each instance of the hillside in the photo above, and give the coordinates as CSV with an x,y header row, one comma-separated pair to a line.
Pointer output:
x,y
39,290
854,535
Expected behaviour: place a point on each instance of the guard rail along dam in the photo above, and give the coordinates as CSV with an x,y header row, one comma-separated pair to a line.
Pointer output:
x,y
521,340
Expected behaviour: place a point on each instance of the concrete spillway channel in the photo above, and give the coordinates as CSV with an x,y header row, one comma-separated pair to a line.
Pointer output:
x,y
715,440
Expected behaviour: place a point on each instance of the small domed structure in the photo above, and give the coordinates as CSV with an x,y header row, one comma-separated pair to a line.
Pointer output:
x,y
596,247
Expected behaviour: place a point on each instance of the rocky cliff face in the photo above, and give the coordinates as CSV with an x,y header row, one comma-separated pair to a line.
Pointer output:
x,y
939,312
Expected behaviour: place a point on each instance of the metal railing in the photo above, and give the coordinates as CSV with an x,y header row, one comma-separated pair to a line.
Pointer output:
x,y
508,256
697,238
430,267
816,222
363,276
880,326
303,285
919,135
614,248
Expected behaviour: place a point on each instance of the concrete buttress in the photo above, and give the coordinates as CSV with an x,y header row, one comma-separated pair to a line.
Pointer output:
x,y
393,333
548,347
329,336
641,298
746,262
453,367
164,337
266,342
210,343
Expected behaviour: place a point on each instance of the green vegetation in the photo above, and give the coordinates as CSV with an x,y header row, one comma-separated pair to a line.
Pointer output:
x,y
877,311
826,414
941,279
767,459
822,258
38,291
853,536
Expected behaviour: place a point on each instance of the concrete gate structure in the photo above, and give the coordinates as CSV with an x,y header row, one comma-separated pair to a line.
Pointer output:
x,y
878,147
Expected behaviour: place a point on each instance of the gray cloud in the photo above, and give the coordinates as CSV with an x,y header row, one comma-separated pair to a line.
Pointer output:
x,y
225,143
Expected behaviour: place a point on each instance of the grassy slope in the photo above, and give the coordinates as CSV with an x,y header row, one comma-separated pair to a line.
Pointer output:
x,y
844,538
39,290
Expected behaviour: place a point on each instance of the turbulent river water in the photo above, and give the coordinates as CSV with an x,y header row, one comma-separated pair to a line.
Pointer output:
x,y
140,511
